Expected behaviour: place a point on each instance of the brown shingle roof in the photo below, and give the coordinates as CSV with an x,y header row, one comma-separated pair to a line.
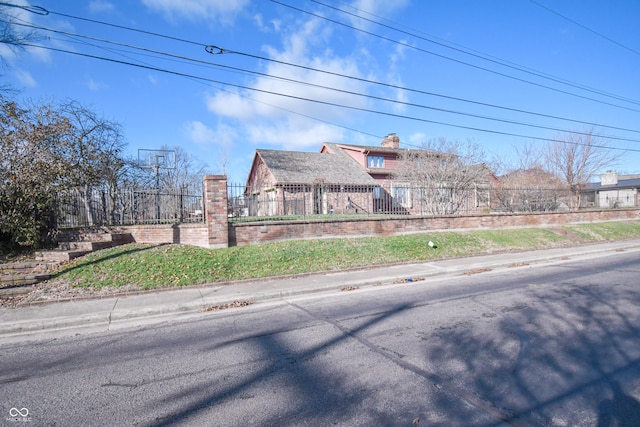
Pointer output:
x,y
295,167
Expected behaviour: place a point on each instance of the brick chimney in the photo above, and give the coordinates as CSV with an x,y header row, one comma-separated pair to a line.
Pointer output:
x,y
391,141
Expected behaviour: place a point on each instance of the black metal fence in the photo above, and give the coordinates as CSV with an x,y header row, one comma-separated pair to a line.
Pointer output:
x,y
78,208
305,200
96,207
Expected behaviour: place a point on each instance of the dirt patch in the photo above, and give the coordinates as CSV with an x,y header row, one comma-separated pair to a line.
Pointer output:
x,y
59,290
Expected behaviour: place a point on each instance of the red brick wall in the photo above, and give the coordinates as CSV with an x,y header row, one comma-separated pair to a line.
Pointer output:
x,y
187,234
216,212
265,231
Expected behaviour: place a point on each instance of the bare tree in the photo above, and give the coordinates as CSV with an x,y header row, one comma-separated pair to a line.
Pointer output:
x,y
446,174
46,151
93,150
526,185
187,173
529,190
577,157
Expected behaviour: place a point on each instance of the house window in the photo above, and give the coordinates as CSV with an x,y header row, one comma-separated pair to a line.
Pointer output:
x,y
401,196
375,161
377,192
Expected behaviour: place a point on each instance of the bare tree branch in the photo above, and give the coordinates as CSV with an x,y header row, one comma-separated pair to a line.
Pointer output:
x,y
577,158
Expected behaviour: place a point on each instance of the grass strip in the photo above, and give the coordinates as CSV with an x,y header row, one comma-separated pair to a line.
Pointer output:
x,y
153,266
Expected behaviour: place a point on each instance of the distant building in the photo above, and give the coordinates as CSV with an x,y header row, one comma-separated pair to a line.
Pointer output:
x,y
613,191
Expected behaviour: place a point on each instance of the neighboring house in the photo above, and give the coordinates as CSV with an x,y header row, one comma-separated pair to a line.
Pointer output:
x,y
300,183
341,178
613,191
530,190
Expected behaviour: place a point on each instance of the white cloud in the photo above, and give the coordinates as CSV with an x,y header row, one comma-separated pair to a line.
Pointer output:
x,y
101,6
295,134
25,78
375,10
268,118
95,86
223,11
417,139
223,136
230,104
394,76
272,25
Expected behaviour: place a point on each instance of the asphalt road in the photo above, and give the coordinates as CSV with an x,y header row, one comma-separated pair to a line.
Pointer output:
x,y
556,345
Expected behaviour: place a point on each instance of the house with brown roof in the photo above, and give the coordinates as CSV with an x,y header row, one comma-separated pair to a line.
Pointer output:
x,y
340,179
301,183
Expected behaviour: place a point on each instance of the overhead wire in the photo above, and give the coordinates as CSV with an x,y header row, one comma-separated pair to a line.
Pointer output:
x,y
480,56
333,104
609,39
498,73
43,11
307,83
218,50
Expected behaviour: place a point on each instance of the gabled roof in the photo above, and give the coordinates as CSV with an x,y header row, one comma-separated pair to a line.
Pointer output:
x,y
334,146
364,148
295,167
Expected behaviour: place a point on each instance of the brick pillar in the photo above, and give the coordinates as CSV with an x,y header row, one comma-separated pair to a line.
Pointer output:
x,y
215,200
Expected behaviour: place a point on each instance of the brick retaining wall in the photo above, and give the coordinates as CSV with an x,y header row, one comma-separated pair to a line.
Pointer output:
x,y
266,231
187,234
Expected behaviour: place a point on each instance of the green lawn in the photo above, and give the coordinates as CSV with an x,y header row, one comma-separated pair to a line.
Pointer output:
x,y
151,266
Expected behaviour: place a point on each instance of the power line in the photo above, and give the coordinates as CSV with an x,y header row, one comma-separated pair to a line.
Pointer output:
x,y
221,50
481,56
333,104
423,92
349,92
407,45
609,39
294,97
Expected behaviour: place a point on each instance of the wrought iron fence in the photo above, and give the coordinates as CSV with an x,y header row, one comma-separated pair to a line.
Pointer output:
x,y
307,200
98,207
78,208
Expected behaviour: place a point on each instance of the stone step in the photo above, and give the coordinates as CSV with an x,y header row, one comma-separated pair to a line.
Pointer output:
x,y
73,244
94,236
27,267
59,255
16,290
19,277
86,246
8,281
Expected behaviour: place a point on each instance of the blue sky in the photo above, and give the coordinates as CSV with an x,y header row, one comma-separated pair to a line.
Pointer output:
x,y
557,59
